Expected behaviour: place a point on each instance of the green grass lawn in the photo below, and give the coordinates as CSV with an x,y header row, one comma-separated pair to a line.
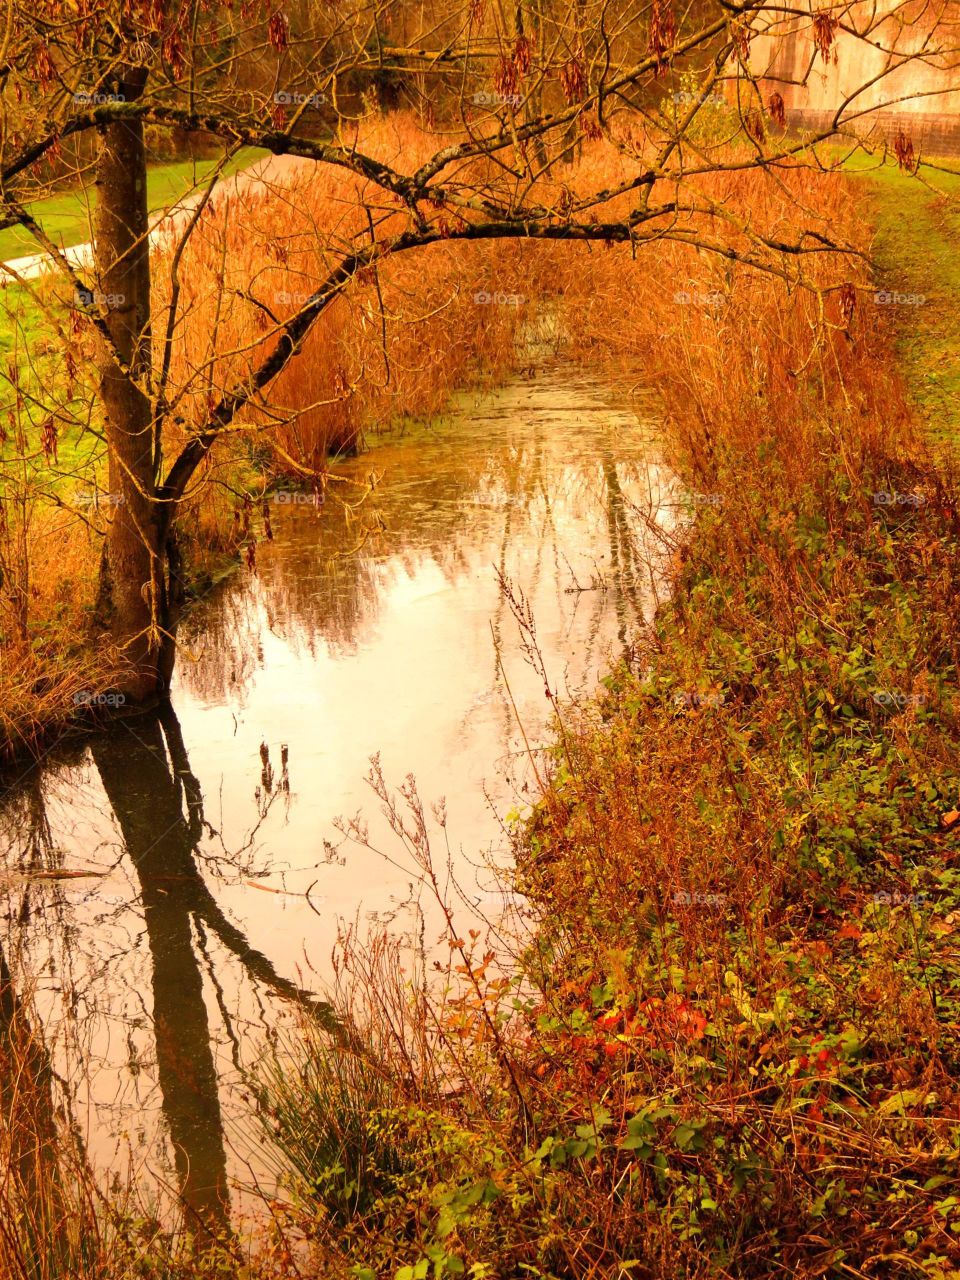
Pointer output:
x,y
25,331
917,224
67,217
27,339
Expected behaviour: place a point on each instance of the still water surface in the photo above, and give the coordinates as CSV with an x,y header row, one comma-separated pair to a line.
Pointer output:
x,y
224,871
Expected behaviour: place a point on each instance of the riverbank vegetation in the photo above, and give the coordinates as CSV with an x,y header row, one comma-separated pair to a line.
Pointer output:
x,y
724,1042
728,1047
716,1033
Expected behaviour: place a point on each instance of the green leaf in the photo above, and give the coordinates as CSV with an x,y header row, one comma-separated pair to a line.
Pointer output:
x,y
683,1136
897,1103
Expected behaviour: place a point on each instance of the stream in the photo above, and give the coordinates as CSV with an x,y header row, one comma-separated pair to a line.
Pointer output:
x,y
220,829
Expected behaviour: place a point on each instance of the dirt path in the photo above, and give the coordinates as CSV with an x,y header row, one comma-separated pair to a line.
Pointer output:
x,y
264,172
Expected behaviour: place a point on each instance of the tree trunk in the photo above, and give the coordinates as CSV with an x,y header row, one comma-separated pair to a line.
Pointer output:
x,y
133,606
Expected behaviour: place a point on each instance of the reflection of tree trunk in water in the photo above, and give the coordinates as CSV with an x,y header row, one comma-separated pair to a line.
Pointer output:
x,y
146,801
32,1187
160,812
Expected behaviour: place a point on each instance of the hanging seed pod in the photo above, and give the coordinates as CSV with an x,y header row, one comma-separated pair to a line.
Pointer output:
x,y
663,32
741,42
48,440
173,53
848,303
42,66
267,526
753,125
824,36
506,79
572,81
778,112
903,150
522,55
279,31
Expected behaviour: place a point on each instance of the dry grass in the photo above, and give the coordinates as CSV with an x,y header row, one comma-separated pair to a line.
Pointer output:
x,y
398,344
49,562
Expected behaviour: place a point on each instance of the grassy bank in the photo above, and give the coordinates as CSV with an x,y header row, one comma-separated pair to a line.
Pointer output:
x,y
728,1046
67,217
917,226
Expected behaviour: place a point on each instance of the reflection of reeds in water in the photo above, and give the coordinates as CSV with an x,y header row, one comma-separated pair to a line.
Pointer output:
x,y
526,474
